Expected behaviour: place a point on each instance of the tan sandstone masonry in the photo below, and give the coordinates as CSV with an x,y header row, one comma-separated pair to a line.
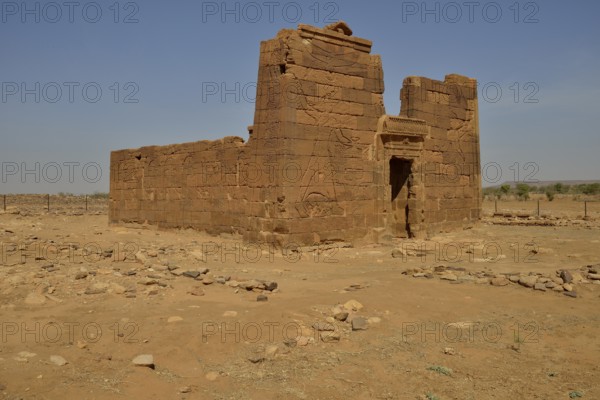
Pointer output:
x,y
323,161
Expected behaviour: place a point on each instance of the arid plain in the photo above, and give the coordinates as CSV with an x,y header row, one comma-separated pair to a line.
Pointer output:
x,y
507,308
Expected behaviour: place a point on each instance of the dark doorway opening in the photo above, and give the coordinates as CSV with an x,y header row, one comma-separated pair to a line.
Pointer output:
x,y
400,181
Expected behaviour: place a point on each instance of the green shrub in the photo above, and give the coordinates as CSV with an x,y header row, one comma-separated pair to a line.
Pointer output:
x,y
523,191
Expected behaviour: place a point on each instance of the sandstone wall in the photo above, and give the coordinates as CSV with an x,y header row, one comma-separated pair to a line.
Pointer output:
x,y
451,168
320,108
184,185
321,155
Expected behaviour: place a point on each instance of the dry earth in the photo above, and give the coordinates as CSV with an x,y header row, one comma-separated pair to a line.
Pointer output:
x,y
441,319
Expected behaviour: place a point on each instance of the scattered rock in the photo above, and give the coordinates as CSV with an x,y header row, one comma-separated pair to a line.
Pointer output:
x,y
570,294
252,284
594,277
147,281
262,297
528,281
499,282
96,288
353,305
256,358
330,337
449,277
566,276
359,324
58,360
341,315
440,269
540,286
449,351
140,257
174,319
558,280
230,314
207,280
568,287
191,274
374,320
144,360
304,340
323,326
185,389
152,253
81,275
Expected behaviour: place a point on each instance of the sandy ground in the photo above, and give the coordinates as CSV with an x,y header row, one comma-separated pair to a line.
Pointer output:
x,y
98,296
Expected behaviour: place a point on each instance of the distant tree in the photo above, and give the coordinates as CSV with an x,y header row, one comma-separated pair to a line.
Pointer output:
x,y
523,191
559,188
550,194
593,188
504,190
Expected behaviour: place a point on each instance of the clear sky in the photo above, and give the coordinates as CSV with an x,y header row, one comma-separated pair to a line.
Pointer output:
x,y
80,78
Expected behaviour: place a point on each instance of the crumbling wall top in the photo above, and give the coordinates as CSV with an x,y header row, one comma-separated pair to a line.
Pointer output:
x,y
338,33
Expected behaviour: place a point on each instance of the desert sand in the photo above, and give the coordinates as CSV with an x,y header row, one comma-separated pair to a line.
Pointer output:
x,y
224,319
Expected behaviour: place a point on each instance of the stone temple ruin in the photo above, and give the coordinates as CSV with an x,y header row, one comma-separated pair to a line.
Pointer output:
x,y
323,162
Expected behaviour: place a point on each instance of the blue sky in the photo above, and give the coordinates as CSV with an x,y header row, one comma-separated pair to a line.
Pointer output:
x,y
116,75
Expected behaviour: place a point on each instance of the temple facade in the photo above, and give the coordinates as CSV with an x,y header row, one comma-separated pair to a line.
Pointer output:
x,y
323,162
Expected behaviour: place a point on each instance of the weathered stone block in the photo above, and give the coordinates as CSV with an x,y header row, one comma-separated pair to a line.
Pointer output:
x,y
323,161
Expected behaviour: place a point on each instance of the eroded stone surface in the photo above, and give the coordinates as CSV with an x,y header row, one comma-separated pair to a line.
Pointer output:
x,y
324,161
